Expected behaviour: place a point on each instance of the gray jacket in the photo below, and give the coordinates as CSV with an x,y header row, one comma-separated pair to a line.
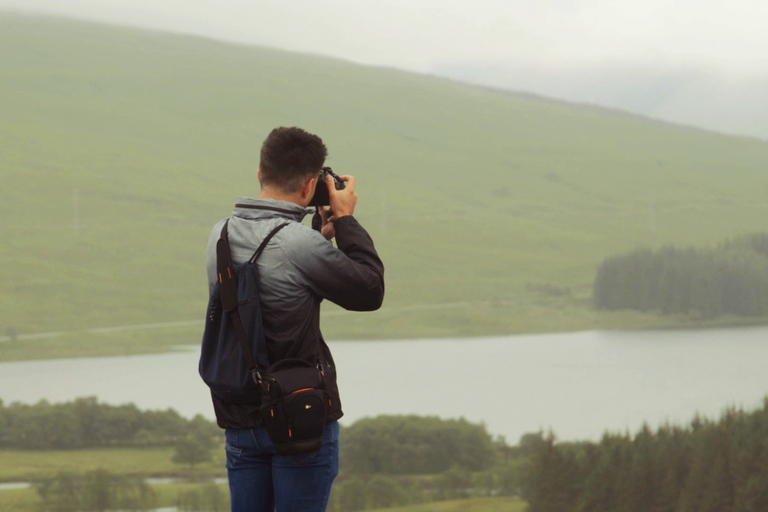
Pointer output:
x,y
297,270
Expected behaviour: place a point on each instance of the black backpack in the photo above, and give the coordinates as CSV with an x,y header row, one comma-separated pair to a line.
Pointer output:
x,y
234,318
291,391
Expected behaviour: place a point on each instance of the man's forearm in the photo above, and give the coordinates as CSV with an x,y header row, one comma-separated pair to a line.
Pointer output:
x,y
355,242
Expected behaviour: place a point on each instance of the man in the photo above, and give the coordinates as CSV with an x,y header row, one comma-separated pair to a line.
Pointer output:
x,y
297,270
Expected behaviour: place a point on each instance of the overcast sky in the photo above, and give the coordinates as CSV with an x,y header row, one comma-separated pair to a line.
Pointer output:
x,y
527,44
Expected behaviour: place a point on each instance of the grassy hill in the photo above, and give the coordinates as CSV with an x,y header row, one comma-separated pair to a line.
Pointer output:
x,y
120,148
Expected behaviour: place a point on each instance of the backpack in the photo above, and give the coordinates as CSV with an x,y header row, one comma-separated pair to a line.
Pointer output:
x,y
291,392
233,318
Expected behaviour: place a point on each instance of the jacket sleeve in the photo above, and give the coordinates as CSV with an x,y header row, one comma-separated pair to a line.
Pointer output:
x,y
351,276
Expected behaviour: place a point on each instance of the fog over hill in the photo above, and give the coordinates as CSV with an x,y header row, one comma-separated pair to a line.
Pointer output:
x,y
704,67
733,104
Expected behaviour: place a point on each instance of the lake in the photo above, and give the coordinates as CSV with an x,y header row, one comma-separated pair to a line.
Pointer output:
x,y
577,384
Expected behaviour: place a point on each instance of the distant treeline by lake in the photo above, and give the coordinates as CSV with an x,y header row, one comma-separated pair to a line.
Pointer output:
x,y
731,278
86,423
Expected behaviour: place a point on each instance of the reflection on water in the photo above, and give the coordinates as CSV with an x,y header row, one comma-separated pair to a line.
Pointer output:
x,y
578,384
10,486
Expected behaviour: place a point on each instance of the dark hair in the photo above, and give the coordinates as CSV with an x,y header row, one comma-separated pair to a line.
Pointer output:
x,y
289,156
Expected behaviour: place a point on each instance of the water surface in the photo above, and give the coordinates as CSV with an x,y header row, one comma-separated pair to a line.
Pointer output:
x,y
578,384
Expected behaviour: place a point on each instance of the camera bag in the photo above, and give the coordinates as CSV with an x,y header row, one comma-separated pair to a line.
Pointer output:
x,y
291,391
293,408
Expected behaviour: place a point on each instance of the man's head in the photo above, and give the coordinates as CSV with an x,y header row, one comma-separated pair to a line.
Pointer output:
x,y
290,157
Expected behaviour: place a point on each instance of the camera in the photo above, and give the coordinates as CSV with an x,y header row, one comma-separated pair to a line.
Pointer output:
x,y
321,197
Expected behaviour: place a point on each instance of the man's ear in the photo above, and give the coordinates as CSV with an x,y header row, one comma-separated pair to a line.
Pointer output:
x,y
309,188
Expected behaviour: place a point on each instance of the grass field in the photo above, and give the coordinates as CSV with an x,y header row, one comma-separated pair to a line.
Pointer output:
x,y
20,500
468,505
19,466
120,148
28,500
34,465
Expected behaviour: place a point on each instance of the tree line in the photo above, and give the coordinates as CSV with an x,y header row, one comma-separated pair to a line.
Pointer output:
x,y
86,423
401,460
707,466
731,278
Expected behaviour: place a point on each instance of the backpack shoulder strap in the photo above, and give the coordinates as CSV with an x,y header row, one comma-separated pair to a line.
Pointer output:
x,y
266,241
227,282
228,290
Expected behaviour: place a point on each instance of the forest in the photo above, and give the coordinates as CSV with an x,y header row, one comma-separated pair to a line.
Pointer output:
x,y
706,466
731,278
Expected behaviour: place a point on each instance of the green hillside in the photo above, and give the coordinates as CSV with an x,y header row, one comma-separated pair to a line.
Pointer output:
x,y
120,148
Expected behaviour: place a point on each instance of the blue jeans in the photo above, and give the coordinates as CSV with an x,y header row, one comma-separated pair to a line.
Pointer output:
x,y
260,480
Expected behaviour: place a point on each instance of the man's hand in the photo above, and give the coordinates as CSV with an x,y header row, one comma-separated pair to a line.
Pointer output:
x,y
327,229
342,201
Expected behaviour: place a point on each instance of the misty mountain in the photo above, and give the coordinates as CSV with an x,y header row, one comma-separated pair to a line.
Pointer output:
x,y
691,96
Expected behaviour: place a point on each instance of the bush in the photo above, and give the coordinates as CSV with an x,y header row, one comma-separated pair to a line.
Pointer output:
x,y
385,492
349,496
209,499
95,491
399,445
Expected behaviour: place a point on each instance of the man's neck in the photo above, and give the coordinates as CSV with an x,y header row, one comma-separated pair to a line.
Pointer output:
x,y
272,194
